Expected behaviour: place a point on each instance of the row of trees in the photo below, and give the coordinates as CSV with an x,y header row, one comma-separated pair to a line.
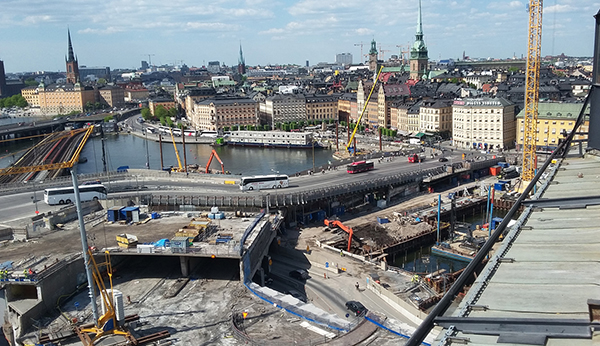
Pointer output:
x,y
161,114
93,106
15,100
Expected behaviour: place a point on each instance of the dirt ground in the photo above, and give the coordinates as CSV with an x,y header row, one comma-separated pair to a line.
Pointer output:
x,y
66,241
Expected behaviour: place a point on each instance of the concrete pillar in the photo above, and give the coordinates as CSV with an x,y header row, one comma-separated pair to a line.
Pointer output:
x,y
184,261
388,196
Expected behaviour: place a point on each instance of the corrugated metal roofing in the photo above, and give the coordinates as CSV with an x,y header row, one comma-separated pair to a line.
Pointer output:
x,y
548,271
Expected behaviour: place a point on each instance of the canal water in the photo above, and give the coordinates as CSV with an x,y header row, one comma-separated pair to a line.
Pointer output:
x,y
423,261
129,150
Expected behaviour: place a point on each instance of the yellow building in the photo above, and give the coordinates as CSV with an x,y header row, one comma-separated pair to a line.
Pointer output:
x,y
322,107
30,94
62,98
553,118
216,113
435,116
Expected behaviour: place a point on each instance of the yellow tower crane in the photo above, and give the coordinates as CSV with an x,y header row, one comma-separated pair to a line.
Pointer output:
x,y
180,168
532,86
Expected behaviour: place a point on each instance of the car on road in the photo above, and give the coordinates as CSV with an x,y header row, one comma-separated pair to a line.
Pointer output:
x,y
356,307
443,159
299,274
93,182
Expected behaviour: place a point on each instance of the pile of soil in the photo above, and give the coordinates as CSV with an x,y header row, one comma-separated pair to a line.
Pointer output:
x,y
378,236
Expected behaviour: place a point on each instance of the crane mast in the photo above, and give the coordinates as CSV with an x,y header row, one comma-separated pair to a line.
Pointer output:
x,y
532,86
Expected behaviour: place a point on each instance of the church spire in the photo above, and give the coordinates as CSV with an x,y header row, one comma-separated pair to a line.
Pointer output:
x,y
71,55
419,22
72,64
418,53
241,62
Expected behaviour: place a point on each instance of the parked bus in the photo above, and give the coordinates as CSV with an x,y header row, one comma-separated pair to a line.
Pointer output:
x,y
213,134
66,195
359,166
258,182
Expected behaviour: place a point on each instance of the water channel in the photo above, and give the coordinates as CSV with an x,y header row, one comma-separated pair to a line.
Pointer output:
x,y
128,150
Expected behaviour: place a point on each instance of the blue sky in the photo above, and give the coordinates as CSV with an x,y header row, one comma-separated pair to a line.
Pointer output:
x,y
120,33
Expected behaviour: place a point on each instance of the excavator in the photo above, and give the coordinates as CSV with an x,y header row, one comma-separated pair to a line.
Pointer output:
x,y
180,168
214,154
337,223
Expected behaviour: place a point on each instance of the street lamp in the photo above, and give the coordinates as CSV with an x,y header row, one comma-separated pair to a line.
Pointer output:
x,y
313,153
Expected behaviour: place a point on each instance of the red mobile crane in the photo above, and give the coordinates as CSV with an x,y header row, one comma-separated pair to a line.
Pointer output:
x,y
214,154
337,223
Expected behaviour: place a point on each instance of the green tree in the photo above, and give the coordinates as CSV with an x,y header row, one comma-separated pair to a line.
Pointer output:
x,y
169,122
160,112
146,115
173,112
8,102
278,126
108,118
513,69
22,102
98,105
267,127
286,127
88,106
163,121
101,81
225,128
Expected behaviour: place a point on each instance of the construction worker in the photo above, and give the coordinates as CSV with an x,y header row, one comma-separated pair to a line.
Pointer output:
x,y
25,274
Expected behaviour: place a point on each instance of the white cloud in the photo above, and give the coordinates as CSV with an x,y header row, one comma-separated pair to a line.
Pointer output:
x,y
211,26
516,4
364,31
104,31
37,19
558,8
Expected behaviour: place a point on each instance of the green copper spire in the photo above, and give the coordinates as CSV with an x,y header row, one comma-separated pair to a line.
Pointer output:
x,y
419,50
373,47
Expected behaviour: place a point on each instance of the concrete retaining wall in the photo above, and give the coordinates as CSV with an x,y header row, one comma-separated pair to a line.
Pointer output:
x,y
409,311
70,214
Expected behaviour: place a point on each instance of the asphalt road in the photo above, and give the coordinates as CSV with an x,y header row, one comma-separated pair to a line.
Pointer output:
x,y
21,205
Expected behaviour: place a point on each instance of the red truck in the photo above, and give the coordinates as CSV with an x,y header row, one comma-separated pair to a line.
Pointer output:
x,y
414,158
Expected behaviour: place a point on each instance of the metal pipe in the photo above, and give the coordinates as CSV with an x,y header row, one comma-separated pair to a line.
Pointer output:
x,y
84,245
594,122
160,147
184,155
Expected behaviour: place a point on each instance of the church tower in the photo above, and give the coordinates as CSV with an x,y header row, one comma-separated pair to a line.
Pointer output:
x,y
241,62
373,56
72,64
418,53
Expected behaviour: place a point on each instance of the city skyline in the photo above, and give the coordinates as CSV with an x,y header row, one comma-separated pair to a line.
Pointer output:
x,y
120,34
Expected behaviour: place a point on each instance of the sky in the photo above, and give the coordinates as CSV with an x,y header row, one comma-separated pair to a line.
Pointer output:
x,y
122,33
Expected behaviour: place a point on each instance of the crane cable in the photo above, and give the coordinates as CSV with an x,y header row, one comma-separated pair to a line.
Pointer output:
x,y
363,111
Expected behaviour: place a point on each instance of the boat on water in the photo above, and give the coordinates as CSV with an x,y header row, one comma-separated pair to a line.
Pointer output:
x,y
273,139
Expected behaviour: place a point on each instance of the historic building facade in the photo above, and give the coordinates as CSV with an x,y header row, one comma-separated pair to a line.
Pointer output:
x,y
483,123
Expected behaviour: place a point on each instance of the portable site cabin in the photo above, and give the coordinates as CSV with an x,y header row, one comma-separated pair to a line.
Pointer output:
x,y
130,214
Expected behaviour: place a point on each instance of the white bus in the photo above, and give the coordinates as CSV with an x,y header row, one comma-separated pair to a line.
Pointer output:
x,y
213,134
65,195
258,182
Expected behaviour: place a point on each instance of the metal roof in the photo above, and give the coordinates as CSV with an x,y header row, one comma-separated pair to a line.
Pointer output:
x,y
535,288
